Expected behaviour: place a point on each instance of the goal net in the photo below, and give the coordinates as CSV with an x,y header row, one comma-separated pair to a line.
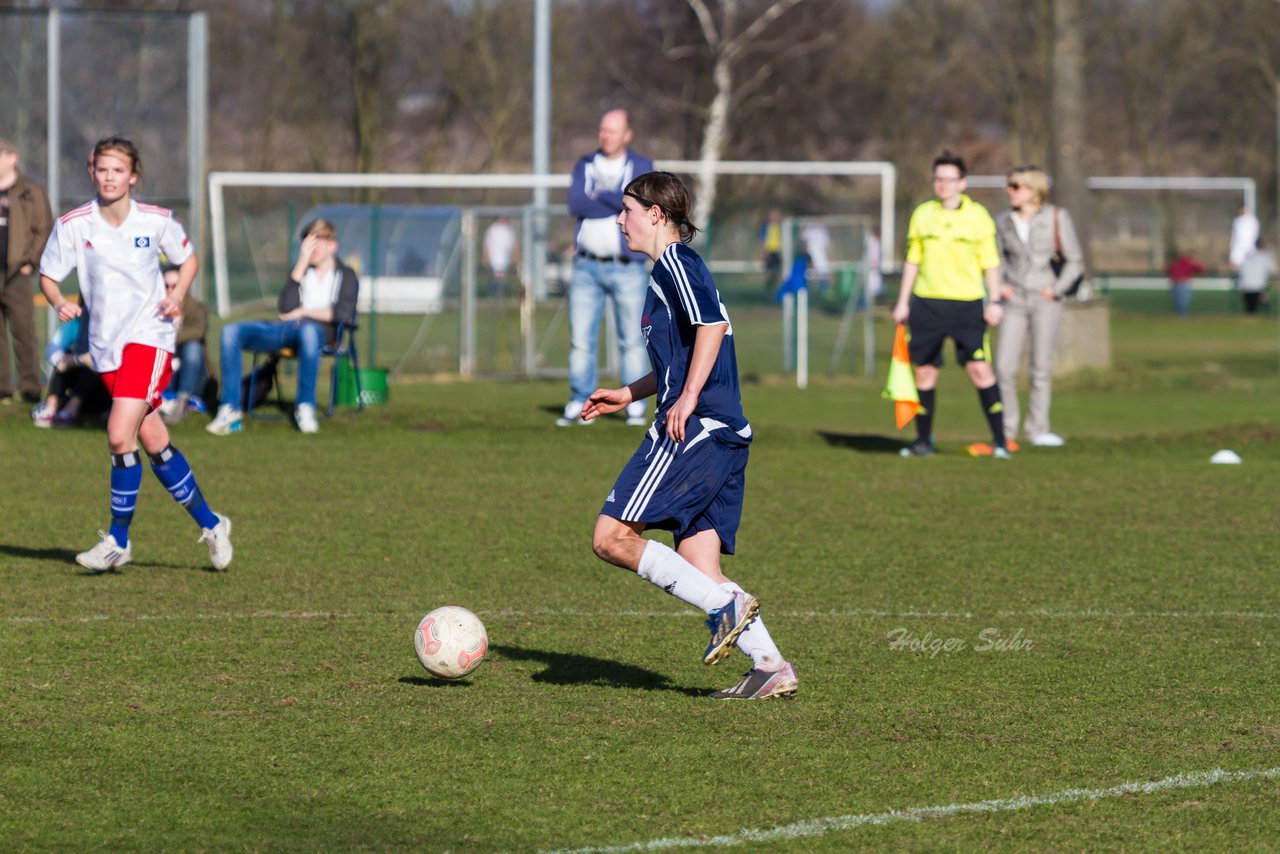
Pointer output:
x,y
429,301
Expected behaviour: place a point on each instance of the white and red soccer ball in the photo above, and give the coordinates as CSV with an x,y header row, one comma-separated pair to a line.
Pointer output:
x,y
451,642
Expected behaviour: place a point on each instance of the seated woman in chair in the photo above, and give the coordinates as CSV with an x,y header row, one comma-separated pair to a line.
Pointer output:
x,y
320,294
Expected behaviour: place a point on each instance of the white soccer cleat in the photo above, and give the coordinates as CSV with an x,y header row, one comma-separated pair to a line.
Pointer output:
x,y
635,414
761,685
1048,440
218,539
107,554
305,415
571,415
228,420
42,416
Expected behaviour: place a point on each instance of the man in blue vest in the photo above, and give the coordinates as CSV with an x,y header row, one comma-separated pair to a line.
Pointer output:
x,y
604,269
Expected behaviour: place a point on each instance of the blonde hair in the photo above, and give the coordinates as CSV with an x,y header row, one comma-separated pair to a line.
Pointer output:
x,y
1033,178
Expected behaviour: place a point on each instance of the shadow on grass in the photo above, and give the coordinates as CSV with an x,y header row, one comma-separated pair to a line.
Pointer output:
x,y
564,668
59,555
68,556
866,443
433,682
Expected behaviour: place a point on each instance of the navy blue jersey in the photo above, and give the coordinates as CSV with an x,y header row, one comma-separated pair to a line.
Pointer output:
x,y
682,296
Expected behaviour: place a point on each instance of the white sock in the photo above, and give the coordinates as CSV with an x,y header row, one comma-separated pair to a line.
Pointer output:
x,y
662,567
755,640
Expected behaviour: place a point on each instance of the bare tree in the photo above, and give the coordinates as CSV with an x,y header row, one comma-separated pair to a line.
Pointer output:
x,y
728,41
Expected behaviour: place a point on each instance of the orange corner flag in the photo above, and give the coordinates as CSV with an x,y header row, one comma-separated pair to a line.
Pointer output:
x,y
901,388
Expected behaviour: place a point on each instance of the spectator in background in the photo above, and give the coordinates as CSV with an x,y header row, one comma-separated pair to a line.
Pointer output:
x,y
25,224
1180,271
1244,237
1029,234
501,249
1254,275
873,256
604,268
320,293
816,238
771,251
75,389
187,384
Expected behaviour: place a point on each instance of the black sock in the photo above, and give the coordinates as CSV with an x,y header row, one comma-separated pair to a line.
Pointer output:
x,y
924,418
991,405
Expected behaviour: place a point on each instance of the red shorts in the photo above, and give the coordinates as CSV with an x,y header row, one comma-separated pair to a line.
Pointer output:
x,y
143,374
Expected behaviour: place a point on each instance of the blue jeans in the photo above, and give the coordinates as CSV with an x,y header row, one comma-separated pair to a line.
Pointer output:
x,y
304,337
1182,298
592,283
190,376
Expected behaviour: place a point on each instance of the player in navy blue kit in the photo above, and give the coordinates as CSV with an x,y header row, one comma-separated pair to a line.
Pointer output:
x,y
688,476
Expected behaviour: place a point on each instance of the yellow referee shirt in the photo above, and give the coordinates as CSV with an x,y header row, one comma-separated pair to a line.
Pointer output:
x,y
952,249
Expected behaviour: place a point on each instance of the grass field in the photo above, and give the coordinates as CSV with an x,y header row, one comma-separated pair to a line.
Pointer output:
x,y
1130,701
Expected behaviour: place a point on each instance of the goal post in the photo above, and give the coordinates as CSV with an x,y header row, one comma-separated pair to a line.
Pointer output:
x,y
263,236
219,181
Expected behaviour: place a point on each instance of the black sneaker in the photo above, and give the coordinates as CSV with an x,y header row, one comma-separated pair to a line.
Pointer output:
x,y
918,448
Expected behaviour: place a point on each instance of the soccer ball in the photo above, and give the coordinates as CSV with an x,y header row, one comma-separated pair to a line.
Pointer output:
x,y
451,642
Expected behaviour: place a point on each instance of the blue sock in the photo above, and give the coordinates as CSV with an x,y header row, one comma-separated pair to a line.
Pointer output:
x,y
126,480
172,470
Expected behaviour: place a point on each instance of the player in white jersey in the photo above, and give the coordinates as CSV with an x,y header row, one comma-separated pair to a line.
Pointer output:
x,y
114,243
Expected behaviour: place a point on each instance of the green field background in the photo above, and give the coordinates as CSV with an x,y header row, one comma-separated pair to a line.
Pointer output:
x,y
279,706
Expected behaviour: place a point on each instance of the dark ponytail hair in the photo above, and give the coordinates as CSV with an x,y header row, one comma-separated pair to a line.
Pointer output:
x,y
669,194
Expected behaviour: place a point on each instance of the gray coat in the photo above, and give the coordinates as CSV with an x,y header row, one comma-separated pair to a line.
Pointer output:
x,y
1026,265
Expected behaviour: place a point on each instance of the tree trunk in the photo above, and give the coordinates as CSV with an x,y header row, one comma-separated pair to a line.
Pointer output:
x,y
1067,129
713,140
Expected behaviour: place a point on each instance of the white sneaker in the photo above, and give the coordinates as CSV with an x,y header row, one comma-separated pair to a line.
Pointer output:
x,y
105,555
219,540
228,420
305,415
1048,440
42,417
569,418
635,415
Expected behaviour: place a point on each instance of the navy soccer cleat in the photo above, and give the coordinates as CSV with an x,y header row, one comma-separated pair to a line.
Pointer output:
x,y
727,623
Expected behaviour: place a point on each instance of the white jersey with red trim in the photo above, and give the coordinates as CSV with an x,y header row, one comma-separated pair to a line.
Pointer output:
x,y
119,272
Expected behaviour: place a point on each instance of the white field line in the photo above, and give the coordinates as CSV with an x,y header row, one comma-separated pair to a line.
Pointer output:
x,y
852,613
831,824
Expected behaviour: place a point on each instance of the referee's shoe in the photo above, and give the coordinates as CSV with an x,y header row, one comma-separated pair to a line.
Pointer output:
x,y
918,448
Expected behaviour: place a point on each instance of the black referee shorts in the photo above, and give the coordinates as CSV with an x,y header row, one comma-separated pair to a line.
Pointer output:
x,y
932,321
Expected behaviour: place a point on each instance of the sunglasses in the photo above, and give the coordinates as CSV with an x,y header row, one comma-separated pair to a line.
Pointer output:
x,y
1013,185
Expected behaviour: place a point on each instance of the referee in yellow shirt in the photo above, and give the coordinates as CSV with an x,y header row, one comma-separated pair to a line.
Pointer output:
x,y
952,266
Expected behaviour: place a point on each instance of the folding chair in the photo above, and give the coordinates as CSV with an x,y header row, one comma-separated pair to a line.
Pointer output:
x,y
267,364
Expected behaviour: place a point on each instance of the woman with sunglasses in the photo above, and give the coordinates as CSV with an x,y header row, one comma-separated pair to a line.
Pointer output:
x,y
689,474
1034,237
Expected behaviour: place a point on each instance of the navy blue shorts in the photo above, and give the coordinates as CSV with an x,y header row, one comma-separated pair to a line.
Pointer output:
x,y
685,488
